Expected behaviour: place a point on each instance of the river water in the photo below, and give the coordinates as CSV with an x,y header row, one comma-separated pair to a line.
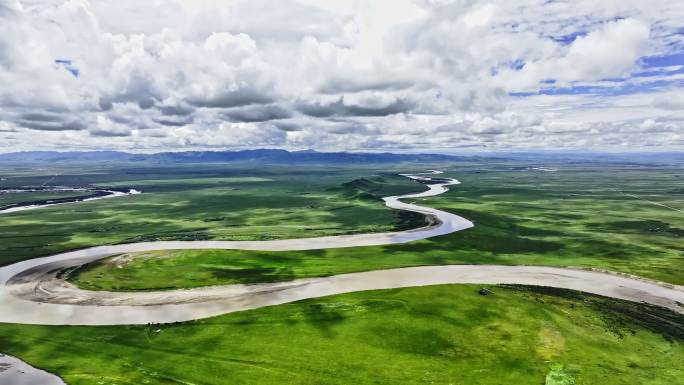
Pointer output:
x,y
14,371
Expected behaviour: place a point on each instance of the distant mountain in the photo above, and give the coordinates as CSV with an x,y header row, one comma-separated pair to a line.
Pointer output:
x,y
275,156
623,158
261,155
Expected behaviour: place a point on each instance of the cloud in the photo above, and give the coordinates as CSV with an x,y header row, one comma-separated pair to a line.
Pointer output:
x,y
340,108
386,75
256,113
48,121
173,122
227,99
673,101
105,127
234,135
351,85
6,127
610,51
176,108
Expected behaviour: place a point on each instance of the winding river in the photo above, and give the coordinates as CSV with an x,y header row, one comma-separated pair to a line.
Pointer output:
x,y
32,293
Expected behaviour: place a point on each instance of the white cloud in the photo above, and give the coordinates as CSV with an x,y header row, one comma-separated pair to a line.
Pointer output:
x,y
610,51
108,128
337,75
671,101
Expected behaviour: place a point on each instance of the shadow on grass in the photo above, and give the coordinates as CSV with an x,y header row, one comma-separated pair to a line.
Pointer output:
x,y
254,274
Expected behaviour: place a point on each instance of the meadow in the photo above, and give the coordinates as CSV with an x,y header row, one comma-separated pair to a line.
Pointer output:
x,y
182,202
617,217
621,217
437,335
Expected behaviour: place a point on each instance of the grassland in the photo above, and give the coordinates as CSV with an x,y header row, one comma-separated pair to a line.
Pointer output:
x,y
436,335
201,202
620,217
580,215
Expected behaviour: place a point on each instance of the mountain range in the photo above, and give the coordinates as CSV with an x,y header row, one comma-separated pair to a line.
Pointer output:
x,y
310,156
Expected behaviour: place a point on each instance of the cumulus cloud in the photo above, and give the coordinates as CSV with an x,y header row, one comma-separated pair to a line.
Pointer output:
x,y
387,75
108,128
610,51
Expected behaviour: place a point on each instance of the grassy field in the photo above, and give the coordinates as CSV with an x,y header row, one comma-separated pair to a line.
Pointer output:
x,y
608,217
616,216
428,335
229,202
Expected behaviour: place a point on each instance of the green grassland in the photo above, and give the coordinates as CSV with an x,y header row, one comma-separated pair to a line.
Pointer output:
x,y
578,216
229,202
428,335
621,217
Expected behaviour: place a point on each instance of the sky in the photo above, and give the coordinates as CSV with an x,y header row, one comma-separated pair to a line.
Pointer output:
x,y
384,75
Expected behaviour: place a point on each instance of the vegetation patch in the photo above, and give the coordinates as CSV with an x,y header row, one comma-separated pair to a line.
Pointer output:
x,y
550,343
619,317
640,227
559,376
